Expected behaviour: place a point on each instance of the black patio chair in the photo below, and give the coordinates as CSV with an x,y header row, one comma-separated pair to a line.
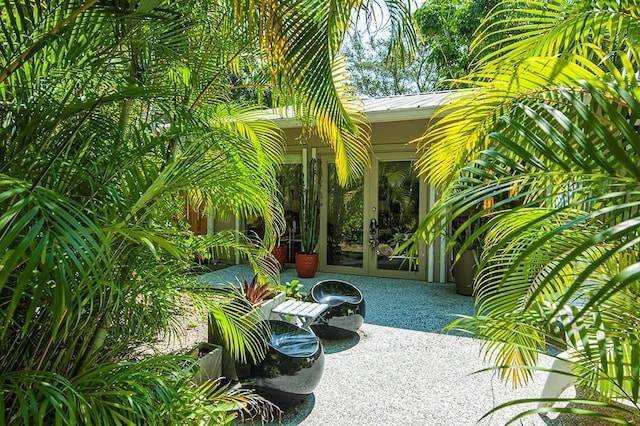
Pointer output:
x,y
292,368
346,311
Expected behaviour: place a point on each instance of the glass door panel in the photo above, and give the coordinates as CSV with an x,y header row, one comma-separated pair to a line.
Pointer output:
x,y
289,183
344,220
398,212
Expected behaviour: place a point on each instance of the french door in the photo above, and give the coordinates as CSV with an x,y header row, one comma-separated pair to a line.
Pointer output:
x,y
363,223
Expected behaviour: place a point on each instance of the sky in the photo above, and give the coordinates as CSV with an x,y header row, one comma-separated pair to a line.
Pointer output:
x,y
379,21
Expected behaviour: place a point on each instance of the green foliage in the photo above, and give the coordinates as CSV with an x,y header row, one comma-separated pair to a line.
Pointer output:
x,y
547,143
236,320
398,205
374,75
352,227
112,114
449,29
293,290
447,50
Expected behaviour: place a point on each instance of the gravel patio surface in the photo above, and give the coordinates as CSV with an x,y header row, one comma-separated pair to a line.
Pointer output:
x,y
402,369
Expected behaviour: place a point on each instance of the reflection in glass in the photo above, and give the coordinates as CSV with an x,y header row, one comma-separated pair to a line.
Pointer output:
x,y
398,195
344,220
290,184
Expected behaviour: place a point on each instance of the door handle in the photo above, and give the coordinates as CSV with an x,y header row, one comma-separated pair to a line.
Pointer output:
x,y
373,233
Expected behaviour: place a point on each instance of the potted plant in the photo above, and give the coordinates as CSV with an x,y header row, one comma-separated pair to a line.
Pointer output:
x,y
307,259
262,296
280,253
256,300
294,290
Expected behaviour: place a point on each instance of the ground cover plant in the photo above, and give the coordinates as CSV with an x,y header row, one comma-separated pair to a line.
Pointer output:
x,y
543,149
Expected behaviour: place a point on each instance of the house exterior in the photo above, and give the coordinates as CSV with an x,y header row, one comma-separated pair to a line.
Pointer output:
x,y
362,223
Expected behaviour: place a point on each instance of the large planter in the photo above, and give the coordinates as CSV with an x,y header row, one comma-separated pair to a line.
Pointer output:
x,y
280,253
268,305
210,359
463,271
306,265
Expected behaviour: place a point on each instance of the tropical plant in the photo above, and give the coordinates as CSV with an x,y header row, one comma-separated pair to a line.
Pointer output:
x,y
255,291
293,290
397,198
310,208
546,142
447,29
111,113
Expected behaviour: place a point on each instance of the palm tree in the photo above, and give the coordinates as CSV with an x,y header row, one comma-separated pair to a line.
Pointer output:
x,y
111,113
547,141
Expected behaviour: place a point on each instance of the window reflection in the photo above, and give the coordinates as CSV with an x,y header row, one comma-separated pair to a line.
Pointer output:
x,y
344,221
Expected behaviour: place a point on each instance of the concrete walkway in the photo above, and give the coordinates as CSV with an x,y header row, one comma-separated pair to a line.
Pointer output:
x,y
401,369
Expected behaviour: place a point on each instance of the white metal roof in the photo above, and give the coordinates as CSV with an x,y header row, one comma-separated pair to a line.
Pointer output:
x,y
383,109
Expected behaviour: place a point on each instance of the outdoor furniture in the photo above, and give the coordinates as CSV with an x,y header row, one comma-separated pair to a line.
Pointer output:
x,y
305,312
346,309
293,366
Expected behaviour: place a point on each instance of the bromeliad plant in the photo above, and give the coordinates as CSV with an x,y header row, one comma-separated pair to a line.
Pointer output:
x,y
549,131
256,292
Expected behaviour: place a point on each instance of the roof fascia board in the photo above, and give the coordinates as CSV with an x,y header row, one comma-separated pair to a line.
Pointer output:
x,y
373,117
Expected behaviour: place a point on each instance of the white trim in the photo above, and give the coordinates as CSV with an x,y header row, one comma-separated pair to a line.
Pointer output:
x,y
372,117
400,115
431,249
443,260
211,227
237,226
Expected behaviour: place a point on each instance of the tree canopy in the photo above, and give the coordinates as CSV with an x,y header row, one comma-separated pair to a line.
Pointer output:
x,y
449,28
445,54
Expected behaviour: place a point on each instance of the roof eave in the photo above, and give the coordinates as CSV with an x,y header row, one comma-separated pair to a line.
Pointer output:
x,y
420,113
408,114
287,123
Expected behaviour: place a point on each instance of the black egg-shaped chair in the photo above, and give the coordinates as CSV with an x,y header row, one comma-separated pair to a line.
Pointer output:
x,y
292,368
346,311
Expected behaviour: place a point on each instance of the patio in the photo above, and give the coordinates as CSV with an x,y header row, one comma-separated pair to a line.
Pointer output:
x,y
402,369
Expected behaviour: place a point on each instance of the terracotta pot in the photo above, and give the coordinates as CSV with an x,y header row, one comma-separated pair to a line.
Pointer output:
x,y
306,265
280,253
463,271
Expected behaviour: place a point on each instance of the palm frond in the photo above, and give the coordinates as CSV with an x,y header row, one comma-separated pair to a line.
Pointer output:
x,y
547,28
469,115
547,142
237,321
44,237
